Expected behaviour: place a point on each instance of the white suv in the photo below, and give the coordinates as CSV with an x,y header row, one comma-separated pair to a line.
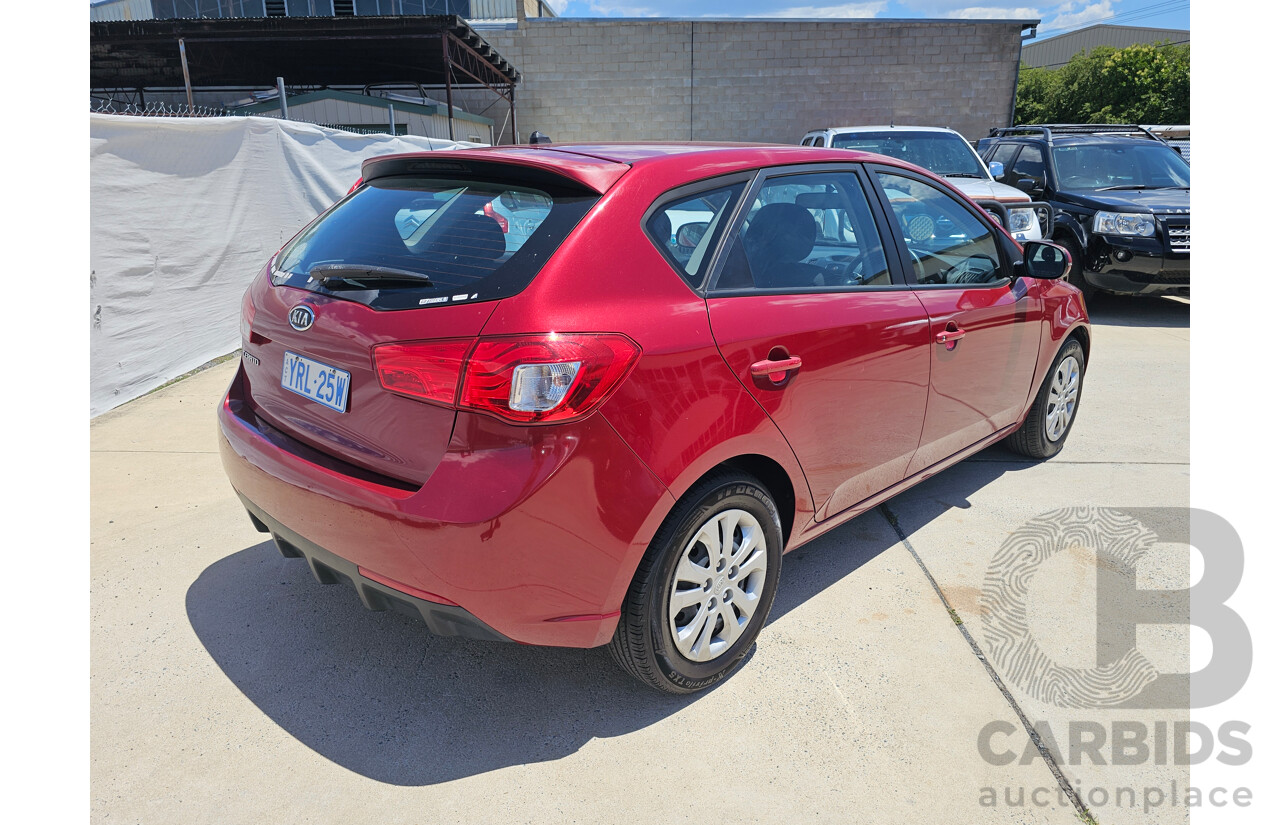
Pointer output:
x,y
945,153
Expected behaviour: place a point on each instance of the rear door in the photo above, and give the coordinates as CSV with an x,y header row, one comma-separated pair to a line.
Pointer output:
x,y
809,315
983,324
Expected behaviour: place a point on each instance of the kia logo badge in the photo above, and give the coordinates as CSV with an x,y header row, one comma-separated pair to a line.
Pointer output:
x,y
301,317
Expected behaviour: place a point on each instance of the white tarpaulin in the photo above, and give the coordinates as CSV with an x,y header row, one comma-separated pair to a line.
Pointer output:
x,y
183,213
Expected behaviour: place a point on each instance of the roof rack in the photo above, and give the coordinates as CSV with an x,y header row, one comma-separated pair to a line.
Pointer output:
x,y
1048,130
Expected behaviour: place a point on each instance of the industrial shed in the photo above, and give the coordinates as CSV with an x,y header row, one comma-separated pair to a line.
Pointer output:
x,y
367,113
129,60
1053,52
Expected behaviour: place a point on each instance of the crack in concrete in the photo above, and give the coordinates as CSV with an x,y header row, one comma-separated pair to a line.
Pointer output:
x,y
158,452
1030,462
1045,754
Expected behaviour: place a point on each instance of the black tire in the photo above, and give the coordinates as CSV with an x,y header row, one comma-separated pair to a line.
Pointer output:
x,y
1075,276
1033,437
644,645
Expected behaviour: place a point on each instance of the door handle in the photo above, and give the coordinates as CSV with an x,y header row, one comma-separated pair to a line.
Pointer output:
x,y
950,336
776,370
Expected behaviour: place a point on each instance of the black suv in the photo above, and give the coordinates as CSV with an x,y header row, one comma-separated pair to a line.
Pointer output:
x,y
1121,195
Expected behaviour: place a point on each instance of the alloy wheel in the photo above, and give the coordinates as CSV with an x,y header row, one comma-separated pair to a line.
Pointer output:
x,y
1062,398
718,583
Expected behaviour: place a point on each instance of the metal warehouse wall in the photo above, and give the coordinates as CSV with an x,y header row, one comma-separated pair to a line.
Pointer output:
x,y
756,80
1058,51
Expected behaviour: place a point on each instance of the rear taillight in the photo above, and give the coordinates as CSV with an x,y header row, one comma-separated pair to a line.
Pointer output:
x,y
428,371
545,378
491,212
528,379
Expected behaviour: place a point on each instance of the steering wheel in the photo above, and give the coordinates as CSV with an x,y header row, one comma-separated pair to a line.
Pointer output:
x,y
975,269
851,274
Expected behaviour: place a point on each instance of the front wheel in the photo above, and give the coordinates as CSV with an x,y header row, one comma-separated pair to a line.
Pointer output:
x,y
703,590
1054,410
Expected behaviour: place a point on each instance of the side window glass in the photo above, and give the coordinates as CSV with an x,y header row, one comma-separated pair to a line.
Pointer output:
x,y
1004,154
806,231
820,140
947,242
1030,165
686,229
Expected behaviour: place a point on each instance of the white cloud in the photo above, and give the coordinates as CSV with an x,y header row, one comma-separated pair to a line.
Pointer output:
x,y
610,8
557,6
1069,19
841,10
995,13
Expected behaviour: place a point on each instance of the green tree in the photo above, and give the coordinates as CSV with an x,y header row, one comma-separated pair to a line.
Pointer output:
x,y
1143,83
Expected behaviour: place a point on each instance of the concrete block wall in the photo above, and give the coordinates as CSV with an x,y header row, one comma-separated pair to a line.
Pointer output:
x,y
755,80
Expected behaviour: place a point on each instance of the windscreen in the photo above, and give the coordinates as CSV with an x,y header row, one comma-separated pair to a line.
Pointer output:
x,y
939,152
1137,165
408,242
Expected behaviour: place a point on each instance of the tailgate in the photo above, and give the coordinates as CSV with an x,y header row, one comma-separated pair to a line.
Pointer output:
x,y
379,431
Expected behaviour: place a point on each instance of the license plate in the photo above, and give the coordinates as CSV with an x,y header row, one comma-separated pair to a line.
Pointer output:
x,y
320,382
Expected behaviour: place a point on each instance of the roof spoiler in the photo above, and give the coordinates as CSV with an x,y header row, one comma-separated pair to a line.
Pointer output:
x,y
529,165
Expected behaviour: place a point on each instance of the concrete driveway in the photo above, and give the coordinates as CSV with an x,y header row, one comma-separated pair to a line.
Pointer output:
x,y
229,687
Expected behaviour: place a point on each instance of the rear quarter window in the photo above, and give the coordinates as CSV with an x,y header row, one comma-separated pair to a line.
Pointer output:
x,y
687,228
466,240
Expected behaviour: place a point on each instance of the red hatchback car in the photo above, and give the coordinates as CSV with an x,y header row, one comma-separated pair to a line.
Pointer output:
x,y
589,395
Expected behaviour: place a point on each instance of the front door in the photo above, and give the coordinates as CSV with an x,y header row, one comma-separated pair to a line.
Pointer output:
x,y
984,326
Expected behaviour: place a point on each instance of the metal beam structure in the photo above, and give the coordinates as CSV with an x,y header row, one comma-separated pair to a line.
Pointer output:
x,y
307,51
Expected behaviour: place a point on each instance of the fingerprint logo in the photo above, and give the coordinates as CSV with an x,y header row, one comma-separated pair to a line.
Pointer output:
x,y
1120,542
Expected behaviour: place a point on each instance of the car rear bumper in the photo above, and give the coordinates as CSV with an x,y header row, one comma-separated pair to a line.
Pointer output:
x,y
529,534
441,619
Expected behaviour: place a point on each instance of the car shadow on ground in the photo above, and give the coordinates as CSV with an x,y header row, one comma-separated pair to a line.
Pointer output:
x,y
1138,311
379,695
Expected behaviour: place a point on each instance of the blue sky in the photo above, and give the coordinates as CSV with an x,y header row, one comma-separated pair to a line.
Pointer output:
x,y
1057,16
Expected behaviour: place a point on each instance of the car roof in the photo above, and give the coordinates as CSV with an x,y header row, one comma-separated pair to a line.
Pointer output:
x,y
886,128
599,165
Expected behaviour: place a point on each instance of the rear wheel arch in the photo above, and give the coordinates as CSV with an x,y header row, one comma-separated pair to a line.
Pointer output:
x,y
771,474
774,478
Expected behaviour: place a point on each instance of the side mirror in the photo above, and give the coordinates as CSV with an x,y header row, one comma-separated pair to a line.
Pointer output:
x,y
997,169
1028,185
688,236
1044,260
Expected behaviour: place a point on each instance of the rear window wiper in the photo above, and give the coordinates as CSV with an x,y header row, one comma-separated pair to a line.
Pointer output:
x,y
362,273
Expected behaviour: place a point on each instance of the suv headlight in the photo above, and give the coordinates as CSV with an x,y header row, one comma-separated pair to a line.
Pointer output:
x,y
1124,223
1020,220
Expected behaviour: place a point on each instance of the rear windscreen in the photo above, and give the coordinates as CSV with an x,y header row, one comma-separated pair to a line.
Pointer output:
x,y
407,242
942,153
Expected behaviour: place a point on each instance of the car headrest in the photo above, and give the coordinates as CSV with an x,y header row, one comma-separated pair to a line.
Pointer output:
x,y
660,227
478,236
820,200
780,232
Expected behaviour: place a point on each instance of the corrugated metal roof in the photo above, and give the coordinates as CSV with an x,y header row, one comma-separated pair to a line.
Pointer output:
x,y
1058,51
319,51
